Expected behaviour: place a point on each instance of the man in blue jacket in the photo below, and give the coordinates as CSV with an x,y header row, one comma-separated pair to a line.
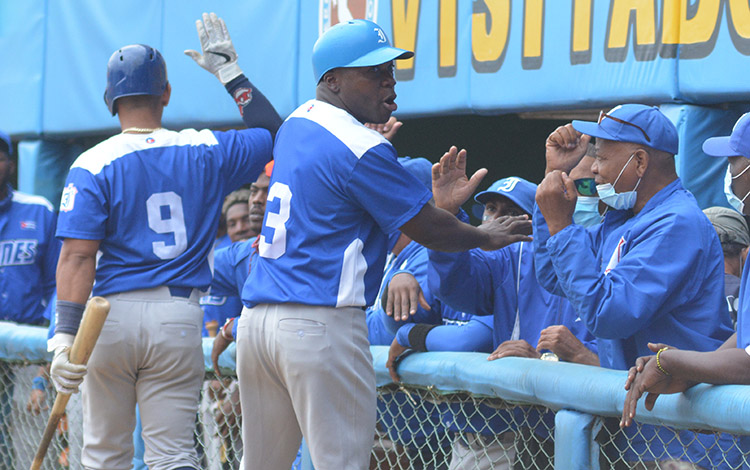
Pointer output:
x,y
652,271
677,370
525,321
29,252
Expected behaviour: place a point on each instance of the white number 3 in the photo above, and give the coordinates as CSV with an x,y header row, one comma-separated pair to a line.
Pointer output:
x,y
172,223
276,221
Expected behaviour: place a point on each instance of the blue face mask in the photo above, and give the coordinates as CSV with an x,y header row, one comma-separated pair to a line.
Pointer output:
x,y
615,200
737,203
587,211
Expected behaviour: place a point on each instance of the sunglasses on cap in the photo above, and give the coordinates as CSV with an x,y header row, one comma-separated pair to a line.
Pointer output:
x,y
603,115
585,186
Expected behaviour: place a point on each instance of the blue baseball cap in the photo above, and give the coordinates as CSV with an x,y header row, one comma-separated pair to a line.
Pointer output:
x,y
737,144
356,43
6,139
635,123
514,188
420,168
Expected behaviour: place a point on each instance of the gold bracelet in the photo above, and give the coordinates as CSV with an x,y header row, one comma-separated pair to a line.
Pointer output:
x,y
658,362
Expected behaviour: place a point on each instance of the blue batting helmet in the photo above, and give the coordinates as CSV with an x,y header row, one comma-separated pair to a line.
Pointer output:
x,y
134,70
356,43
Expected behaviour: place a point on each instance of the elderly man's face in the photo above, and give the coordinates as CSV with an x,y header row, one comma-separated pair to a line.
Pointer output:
x,y
611,158
367,93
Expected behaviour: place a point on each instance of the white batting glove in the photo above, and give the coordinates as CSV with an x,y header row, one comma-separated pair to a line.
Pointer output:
x,y
65,375
219,56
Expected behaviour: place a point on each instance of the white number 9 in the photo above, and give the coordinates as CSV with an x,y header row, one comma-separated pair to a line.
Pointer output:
x,y
276,221
175,223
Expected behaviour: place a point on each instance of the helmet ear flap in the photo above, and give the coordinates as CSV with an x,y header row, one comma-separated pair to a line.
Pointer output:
x,y
134,70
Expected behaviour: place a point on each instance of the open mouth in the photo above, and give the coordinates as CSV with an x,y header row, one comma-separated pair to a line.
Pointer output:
x,y
390,103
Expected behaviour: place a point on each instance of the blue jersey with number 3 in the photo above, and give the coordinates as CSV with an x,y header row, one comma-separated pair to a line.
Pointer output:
x,y
336,190
154,201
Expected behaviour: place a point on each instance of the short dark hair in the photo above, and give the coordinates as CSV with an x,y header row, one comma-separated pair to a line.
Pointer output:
x,y
732,249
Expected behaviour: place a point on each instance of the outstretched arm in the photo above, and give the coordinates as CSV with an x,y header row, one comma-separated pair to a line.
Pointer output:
x,y
220,58
677,370
439,230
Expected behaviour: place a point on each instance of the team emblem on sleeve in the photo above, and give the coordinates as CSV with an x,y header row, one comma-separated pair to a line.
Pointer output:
x,y
242,96
68,198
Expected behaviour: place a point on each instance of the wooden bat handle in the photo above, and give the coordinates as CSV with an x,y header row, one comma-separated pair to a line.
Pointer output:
x,y
92,322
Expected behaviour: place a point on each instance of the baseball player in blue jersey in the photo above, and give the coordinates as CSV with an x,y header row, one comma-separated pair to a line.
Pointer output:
x,y
236,213
232,266
28,257
336,191
149,200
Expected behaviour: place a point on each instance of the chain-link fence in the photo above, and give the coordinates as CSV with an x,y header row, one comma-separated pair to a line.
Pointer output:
x,y
449,425
23,415
424,428
26,398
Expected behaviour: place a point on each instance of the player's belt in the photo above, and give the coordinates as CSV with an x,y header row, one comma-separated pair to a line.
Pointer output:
x,y
180,291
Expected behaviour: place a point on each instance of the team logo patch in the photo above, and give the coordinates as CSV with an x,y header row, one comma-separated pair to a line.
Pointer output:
x,y
28,225
381,36
150,140
333,12
508,185
242,96
68,198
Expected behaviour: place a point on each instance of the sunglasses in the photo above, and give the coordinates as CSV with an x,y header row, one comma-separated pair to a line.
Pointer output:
x,y
585,186
603,115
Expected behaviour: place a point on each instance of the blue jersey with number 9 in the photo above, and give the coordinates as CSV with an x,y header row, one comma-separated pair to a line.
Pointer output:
x,y
335,191
154,200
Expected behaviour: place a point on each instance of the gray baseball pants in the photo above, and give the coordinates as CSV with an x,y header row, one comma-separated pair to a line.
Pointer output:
x,y
149,352
305,370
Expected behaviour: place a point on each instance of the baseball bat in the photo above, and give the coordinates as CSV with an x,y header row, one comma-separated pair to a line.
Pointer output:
x,y
93,319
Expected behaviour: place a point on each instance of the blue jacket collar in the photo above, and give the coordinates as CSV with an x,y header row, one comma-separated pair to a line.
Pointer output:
x,y
664,194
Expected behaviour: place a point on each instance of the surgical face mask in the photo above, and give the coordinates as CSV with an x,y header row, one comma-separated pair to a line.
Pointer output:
x,y
734,201
615,200
587,211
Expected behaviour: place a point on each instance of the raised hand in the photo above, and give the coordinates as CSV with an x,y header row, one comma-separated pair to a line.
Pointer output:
x,y
565,147
450,185
219,56
389,129
556,197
